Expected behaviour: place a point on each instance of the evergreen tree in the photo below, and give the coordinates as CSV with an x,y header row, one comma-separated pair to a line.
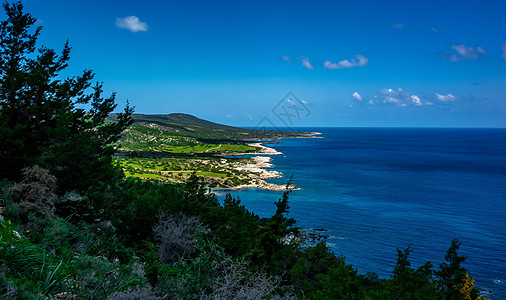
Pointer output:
x,y
451,274
410,283
43,119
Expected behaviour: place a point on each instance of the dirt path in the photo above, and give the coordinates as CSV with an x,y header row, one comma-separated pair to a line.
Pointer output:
x,y
219,146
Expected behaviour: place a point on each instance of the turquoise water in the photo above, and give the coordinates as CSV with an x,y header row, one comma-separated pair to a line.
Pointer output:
x,y
376,190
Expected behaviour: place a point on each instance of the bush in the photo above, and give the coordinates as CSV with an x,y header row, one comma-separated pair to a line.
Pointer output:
x,y
138,293
7,286
235,280
212,274
177,235
35,194
96,277
27,270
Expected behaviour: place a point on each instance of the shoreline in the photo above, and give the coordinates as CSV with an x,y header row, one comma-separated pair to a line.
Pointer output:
x,y
261,163
264,149
232,171
258,166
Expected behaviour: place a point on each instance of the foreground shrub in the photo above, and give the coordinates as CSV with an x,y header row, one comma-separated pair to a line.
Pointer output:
x,y
138,293
96,277
235,280
36,194
177,235
28,271
212,274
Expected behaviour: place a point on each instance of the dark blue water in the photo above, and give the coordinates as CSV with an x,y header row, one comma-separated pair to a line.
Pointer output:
x,y
376,190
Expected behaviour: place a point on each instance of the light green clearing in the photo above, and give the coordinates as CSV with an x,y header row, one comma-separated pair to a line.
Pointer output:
x,y
151,175
212,148
212,174
145,167
139,169
143,175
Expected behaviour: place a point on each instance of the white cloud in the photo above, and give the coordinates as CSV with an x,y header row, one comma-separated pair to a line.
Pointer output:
x,y
465,53
416,100
249,116
398,97
306,63
286,58
503,48
291,102
229,116
402,98
356,96
393,100
398,26
433,29
446,98
304,101
131,23
357,61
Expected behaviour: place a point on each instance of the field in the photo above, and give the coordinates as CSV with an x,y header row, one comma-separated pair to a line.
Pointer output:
x,y
159,152
217,172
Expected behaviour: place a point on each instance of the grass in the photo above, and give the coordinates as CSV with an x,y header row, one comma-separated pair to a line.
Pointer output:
x,y
143,175
212,174
143,138
211,148
214,170
34,266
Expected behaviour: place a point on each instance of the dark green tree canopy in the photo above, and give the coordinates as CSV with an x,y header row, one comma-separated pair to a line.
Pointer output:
x,y
58,123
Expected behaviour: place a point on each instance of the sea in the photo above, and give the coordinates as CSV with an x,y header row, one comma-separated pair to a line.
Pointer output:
x,y
376,190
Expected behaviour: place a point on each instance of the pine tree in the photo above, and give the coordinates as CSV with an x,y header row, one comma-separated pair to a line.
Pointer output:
x,y
43,119
451,274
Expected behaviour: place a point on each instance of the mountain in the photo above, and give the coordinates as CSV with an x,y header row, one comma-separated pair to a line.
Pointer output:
x,y
190,126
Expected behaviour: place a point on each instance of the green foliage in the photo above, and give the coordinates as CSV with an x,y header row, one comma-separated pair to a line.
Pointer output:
x,y
235,227
272,246
451,274
51,261
41,116
212,274
216,172
27,265
152,138
96,277
410,283
98,257
319,274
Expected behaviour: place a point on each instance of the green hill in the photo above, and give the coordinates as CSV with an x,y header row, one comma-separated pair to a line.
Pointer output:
x,y
180,124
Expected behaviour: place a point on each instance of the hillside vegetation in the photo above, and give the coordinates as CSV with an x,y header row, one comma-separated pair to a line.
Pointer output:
x,y
185,125
171,147
73,227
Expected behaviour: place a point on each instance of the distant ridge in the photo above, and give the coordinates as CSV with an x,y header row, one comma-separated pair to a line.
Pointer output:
x,y
183,120
191,126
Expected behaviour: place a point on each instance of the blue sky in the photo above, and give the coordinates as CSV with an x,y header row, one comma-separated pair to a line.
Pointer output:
x,y
346,63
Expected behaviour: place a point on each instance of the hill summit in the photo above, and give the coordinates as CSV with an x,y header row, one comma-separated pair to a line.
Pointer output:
x,y
190,126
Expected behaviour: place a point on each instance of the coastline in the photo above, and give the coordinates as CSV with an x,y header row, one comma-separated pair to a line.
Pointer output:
x,y
258,174
257,170
264,150
232,171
